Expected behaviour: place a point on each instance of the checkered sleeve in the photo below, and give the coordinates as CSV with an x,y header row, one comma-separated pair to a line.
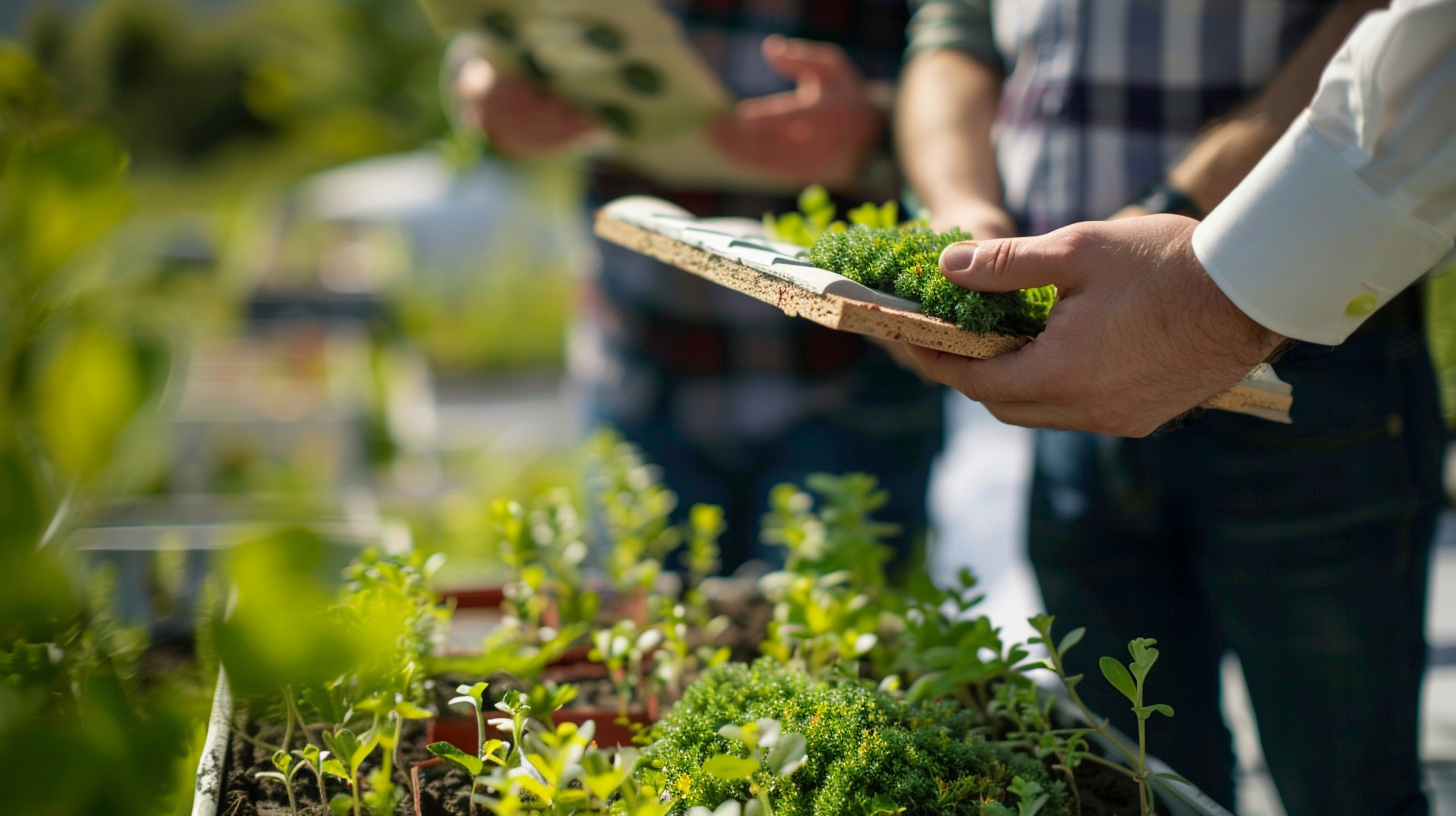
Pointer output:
x,y
964,25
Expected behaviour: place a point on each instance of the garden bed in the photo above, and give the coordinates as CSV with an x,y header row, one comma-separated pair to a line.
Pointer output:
x,y
862,699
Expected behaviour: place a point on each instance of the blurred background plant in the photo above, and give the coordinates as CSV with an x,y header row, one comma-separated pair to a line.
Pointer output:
x,y
253,291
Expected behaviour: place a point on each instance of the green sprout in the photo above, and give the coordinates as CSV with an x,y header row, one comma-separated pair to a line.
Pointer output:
x,y
623,649
288,767
1030,799
486,750
352,750
384,795
322,764
515,704
1127,679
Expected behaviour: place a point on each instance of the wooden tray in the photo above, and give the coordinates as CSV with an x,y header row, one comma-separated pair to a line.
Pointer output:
x,y
733,253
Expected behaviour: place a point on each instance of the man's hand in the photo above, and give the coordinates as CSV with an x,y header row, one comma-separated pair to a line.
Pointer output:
x,y
1139,333
522,120
818,133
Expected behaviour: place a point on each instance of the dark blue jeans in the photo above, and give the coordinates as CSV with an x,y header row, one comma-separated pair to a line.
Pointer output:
x,y
1301,548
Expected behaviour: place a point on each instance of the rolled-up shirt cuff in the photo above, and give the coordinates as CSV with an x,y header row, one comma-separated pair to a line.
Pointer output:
x,y
1306,248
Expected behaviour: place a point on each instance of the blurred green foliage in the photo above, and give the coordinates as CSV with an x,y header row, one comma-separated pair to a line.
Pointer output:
x,y
278,86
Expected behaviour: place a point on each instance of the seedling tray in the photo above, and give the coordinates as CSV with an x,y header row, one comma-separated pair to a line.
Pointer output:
x,y
734,252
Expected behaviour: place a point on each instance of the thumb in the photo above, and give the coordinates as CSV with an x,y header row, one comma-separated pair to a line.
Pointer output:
x,y
809,62
1009,263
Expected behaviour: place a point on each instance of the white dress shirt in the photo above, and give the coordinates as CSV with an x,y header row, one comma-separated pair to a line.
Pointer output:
x,y
1358,198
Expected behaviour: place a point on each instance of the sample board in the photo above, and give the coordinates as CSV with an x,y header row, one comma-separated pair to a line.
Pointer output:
x,y
626,62
734,252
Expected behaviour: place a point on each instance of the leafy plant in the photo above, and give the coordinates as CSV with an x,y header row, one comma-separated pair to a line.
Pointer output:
x,y
1127,679
352,750
820,623
905,261
841,535
623,649
636,511
289,765
866,751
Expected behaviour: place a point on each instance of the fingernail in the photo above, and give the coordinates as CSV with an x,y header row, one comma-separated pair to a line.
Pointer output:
x,y
958,257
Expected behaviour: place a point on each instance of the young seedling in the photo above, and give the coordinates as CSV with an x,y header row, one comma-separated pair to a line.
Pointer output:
x,y
322,764
1030,799
702,558
514,703
352,750
288,767
624,649
486,750
389,717
819,623
1130,680
1129,683
771,753
545,699
544,781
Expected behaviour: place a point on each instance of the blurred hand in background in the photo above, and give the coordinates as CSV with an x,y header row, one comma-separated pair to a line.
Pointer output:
x,y
522,119
818,133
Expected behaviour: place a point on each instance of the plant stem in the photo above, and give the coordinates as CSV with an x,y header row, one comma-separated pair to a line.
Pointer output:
x,y
287,717
266,746
288,787
1144,796
1099,727
1107,763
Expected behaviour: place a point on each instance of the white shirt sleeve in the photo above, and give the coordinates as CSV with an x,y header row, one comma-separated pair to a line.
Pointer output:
x,y
1358,198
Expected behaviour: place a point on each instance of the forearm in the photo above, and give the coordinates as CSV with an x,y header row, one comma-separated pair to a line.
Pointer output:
x,y
943,119
1222,156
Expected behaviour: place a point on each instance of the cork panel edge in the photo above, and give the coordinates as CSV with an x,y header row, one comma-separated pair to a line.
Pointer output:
x,y
1241,395
921,330
792,300
844,314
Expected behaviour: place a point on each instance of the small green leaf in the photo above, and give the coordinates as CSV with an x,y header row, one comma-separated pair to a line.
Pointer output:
x,y
1071,639
814,199
1143,657
730,768
1117,675
787,756
444,750
410,711
1162,708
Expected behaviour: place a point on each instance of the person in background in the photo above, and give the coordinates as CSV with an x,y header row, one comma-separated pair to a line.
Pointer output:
x,y
728,394
1303,548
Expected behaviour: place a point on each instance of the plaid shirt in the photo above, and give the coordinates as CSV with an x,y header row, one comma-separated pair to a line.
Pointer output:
x,y
1101,96
720,367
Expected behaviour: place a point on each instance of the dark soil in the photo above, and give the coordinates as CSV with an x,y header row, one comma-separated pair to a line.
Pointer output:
x,y
1106,792
444,791
246,795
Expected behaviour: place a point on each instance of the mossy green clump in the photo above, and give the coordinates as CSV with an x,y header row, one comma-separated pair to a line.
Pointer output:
x,y
905,261
867,752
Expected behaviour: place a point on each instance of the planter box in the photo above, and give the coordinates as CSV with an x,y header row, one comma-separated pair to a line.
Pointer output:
x,y
1181,799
